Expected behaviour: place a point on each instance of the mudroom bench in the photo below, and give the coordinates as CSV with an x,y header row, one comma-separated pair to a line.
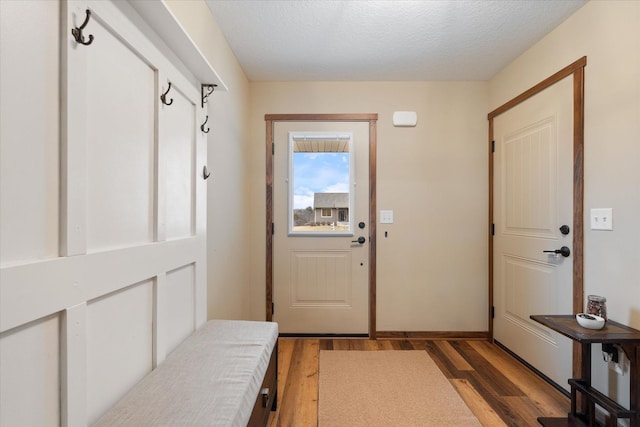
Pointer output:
x,y
224,374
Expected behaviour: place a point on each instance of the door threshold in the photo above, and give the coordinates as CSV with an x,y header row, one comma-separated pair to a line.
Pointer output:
x,y
307,335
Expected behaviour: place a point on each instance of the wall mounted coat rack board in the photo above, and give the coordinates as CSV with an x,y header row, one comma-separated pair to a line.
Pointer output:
x,y
124,265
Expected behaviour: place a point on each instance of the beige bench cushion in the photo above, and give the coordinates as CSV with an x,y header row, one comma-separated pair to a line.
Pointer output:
x,y
211,379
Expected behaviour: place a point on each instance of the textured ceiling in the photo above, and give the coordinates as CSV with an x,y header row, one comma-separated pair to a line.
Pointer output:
x,y
280,40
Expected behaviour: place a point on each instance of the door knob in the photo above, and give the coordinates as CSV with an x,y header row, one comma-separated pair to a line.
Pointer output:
x,y
564,251
360,240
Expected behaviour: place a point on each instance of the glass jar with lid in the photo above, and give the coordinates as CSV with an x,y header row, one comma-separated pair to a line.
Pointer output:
x,y
597,305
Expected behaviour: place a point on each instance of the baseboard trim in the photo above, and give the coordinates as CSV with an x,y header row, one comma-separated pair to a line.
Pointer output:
x,y
307,335
433,335
401,335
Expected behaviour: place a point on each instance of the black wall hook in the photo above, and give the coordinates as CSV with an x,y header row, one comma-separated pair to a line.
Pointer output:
x,y
163,97
77,31
202,125
205,173
210,88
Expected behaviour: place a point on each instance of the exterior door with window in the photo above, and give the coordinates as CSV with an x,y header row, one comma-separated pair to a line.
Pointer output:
x,y
321,210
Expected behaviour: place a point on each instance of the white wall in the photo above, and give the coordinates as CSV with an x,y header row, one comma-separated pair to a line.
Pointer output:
x,y
228,210
608,33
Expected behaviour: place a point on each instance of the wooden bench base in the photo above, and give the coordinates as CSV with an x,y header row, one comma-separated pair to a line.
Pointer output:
x,y
267,399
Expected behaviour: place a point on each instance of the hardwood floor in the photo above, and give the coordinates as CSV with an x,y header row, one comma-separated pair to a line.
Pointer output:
x,y
498,389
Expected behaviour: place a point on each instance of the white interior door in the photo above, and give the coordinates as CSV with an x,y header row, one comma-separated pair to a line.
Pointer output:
x,y
533,198
321,209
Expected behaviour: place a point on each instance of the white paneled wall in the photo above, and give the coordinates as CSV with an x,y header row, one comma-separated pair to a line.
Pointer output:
x,y
120,343
30,382
29,130
178,126
103,239
119,106
179,303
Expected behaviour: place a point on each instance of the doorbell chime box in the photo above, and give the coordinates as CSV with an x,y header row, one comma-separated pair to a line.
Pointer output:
x,y
405,118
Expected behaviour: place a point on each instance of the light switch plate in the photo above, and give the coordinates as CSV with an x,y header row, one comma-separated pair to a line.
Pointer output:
x,y
602,219
386,217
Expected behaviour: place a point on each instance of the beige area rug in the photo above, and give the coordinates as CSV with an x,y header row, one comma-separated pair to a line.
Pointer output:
x,y
387,388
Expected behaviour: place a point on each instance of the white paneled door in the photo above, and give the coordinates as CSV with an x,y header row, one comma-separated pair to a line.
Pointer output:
x,y
533,200
321,230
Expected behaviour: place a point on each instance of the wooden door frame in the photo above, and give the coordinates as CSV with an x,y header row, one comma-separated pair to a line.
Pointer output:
x,y
372,119
577,70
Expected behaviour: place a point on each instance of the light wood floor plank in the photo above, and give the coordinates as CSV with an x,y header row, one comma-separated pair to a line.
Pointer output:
x,y
298,406
370,345
341,344
384,345
480,408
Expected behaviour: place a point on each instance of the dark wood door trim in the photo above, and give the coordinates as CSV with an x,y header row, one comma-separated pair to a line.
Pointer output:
x,y
577,70
270,119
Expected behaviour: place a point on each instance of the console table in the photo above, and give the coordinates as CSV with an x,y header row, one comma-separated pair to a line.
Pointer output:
x,y
613,333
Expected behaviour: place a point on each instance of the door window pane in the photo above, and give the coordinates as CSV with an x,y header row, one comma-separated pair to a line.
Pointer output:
x,y
320,180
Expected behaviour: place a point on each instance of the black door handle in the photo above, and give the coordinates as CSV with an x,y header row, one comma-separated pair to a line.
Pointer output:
x,y
564,251
360,240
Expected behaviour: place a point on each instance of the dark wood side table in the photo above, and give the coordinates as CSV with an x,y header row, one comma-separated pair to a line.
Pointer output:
x,y
613,333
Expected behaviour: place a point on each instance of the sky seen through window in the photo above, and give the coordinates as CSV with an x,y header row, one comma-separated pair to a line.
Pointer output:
x,y
318,173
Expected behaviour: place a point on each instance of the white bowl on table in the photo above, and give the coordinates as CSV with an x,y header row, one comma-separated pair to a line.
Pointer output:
x,y
590,321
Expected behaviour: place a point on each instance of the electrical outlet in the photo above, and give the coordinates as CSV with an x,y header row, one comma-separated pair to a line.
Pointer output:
x,y
602,219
